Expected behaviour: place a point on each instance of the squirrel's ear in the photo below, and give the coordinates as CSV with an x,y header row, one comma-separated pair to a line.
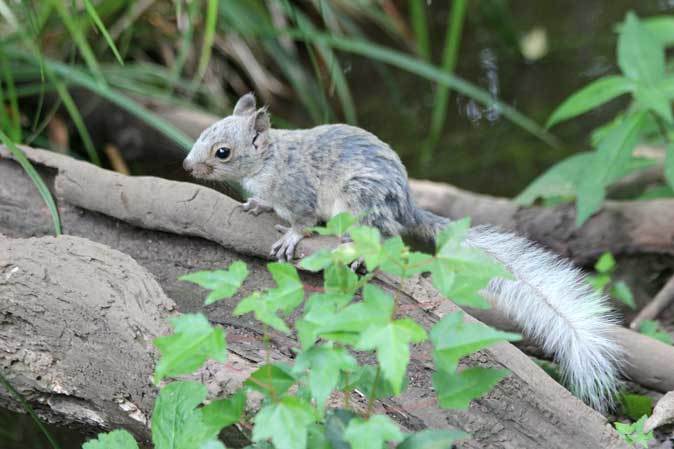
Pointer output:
x,y
245,105
261,120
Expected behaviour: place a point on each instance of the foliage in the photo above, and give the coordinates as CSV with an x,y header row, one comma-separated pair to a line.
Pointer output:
x,y
634,433
652,329
586,176
202,53
634,406
352,315
603,281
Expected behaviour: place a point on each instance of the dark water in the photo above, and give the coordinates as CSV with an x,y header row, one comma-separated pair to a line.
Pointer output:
x,y
478,150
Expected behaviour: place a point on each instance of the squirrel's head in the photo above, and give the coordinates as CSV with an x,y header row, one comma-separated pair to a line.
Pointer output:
x,y
232,148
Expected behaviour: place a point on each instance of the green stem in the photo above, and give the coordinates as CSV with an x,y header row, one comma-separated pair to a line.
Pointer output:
x,y
370,400
449,57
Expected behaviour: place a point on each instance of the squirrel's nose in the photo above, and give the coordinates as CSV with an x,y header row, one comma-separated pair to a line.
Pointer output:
x,y
187,165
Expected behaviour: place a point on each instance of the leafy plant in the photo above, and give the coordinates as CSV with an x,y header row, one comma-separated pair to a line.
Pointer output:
x,y
603,281
353,314
635,406
634,433
652,329
586,176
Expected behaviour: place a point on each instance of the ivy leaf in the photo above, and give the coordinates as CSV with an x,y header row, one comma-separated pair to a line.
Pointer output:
x,y
224,284
337,225
117,439
176,422
392,341
285,422
432,439
346,325
372,433
453,339
456,390
271,380
393,252
340,278
290,291
335,425
367,241
224,412
317,261
653,330
589,97
324,364
641,56
193,342
320,307
264,310
365,380
622,293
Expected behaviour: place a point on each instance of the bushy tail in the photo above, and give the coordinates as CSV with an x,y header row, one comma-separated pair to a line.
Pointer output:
x,y
550,299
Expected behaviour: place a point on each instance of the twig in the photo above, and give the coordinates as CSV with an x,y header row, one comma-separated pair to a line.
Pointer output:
x,y
662,300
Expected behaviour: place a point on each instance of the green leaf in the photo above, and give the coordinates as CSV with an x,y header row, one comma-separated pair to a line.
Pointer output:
x,y
669,165
605,263
193,342
272,380
453,339
117,439
662,27
599,281
264,310
456,390
285,423
176,422
290,291
613,155
653,330
346,325
634,433
340,279
372,433
224,284
319,308
393,252
317,261
641,56
453,234
225,412
365,380
432,439
589,97
635,405
335,425
367,241
622,293
324,364
337,225
651,98
91,11
391,341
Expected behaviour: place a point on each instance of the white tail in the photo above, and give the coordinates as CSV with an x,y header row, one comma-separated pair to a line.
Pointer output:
x,y
558,309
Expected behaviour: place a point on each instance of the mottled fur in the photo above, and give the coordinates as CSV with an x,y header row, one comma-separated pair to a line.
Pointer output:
x,y
308,176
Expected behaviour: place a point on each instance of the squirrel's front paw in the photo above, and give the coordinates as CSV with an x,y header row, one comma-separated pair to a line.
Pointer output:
x,y
255,206
284,248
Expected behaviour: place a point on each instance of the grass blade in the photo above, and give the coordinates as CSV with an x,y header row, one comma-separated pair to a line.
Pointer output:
x,y
91,10
449,57
209,36
420,28
13,121
36,178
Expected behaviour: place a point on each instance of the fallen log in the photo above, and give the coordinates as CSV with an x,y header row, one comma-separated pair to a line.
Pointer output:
x,y
527,409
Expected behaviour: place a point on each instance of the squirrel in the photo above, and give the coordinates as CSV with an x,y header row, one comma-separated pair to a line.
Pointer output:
x,y
308,176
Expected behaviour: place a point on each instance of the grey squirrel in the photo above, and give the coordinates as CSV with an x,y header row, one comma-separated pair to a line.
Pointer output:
x,y
308,176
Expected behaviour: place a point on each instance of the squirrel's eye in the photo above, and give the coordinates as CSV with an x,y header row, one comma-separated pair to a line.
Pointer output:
x,y
223,153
